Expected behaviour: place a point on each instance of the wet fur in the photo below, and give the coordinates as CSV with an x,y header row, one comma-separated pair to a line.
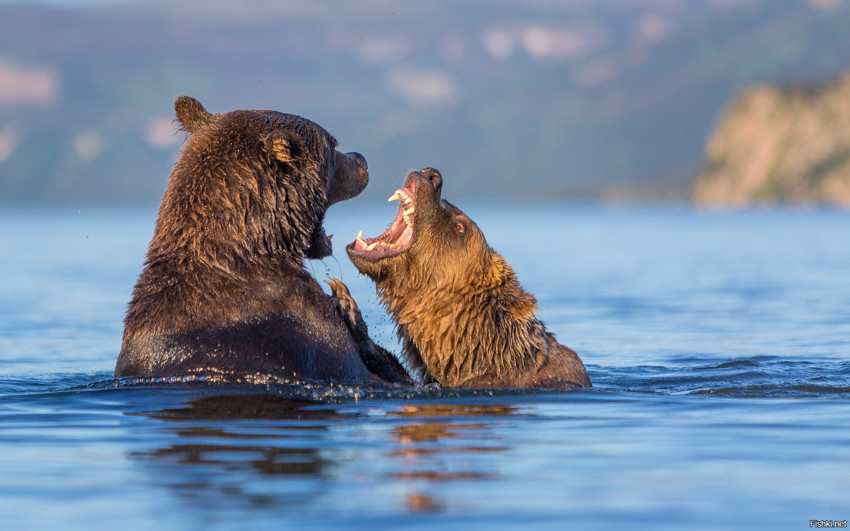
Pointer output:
x,y
460,311
223,287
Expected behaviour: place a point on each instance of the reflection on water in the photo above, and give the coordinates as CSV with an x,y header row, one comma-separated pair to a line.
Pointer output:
x,y
458,410
245,406
257,449
217,452
422,447
434,429
232,457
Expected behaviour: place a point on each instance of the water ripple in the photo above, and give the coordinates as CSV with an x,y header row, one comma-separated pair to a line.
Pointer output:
x,y
755,377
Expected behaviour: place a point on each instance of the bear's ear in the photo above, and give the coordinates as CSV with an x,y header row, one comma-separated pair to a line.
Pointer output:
x,y
278,146
190,113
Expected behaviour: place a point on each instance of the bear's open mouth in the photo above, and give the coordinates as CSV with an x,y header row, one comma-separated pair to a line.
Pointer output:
x,y
398,236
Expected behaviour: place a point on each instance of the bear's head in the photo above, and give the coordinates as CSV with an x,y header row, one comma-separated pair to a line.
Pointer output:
x,y
431,242
253,186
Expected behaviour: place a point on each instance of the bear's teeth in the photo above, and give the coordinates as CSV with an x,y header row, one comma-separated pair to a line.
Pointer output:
x,y
371,246
394,197
360,239
408,214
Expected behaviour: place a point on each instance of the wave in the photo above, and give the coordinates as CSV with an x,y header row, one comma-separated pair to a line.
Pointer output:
x,y
752,377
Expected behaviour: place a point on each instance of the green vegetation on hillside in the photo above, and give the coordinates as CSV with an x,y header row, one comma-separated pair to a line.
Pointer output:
x,y
562,100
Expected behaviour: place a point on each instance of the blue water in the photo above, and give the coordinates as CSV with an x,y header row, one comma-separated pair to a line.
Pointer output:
x,y
718,344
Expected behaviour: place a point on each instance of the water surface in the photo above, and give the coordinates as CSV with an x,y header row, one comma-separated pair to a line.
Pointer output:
x,y
718,344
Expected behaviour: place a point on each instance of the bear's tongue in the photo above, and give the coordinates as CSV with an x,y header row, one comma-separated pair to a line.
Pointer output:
x,y
398,236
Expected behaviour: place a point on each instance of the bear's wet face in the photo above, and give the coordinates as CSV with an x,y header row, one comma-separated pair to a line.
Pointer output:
x,y
294,173
348,176
429,236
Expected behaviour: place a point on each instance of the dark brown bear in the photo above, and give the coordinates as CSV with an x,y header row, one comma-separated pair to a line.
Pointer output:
x,y
224,289
460,311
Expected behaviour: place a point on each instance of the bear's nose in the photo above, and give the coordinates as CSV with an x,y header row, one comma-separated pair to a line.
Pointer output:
x,y
433,177
360,159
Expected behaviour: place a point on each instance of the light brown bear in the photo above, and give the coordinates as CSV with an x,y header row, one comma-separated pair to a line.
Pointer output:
x,y
462,316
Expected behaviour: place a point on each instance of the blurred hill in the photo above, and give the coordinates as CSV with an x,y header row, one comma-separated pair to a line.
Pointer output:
x,y
569,99
781,144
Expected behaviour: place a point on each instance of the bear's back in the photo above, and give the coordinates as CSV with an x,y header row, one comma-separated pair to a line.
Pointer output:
x,y
275,345
283,326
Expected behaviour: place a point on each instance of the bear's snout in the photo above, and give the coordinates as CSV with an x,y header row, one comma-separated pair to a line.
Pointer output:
x,y
431,176
434,178
360,160
350,177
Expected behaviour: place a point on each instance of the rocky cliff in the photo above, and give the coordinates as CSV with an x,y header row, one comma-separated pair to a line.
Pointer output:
x,y
781,144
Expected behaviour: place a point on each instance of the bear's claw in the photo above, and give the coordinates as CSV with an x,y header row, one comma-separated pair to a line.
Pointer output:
x,y
347,308
376,359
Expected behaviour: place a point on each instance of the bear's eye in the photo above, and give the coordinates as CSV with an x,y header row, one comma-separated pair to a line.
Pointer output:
x,y
459,227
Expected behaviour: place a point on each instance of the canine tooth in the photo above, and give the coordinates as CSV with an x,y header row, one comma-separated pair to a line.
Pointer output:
x,y
371,246
410,210
394,197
